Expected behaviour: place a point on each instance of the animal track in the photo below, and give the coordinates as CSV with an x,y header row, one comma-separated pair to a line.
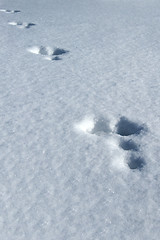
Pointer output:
x,y
48,52
101,127
128,145
9,11
22,24
97,126
124,128
136,162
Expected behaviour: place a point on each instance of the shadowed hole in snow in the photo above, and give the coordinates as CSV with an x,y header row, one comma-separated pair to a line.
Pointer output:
x,y
126,127
45,51
128,145
16,11
56,58
136,162
59,51
30,25
101,127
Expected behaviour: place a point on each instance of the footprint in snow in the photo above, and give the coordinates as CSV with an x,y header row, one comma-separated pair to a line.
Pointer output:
x,y
9,11
136,162
128,145
22,24
101,127
124,128
48,52
96,126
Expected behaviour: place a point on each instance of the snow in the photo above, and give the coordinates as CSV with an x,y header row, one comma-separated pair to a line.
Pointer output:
x,y
86,125
79,136
34,49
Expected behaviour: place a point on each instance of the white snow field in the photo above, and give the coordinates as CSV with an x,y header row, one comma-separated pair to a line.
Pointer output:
x,y
79,137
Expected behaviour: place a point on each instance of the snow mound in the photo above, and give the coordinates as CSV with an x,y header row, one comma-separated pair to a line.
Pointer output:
x,y
86,125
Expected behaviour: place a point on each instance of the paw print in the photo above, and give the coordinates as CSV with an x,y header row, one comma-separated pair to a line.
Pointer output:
x,y
119,137
48,52
127,129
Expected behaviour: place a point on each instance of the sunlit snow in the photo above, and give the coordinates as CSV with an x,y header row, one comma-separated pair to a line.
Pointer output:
x,y
79,145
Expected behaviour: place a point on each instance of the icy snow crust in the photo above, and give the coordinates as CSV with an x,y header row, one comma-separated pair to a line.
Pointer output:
x,y
79,146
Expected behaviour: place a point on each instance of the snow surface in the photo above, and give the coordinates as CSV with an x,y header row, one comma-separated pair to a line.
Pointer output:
x,y
80,155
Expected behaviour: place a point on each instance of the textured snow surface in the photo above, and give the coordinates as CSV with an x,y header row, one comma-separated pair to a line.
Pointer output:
x,y
80,137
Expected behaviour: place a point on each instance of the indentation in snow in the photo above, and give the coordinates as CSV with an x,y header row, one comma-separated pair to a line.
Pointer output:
x,y
22,24
59,51
126,127
51,58
9,11
48,52
136,162
128,145
116,145
101,127
97,126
